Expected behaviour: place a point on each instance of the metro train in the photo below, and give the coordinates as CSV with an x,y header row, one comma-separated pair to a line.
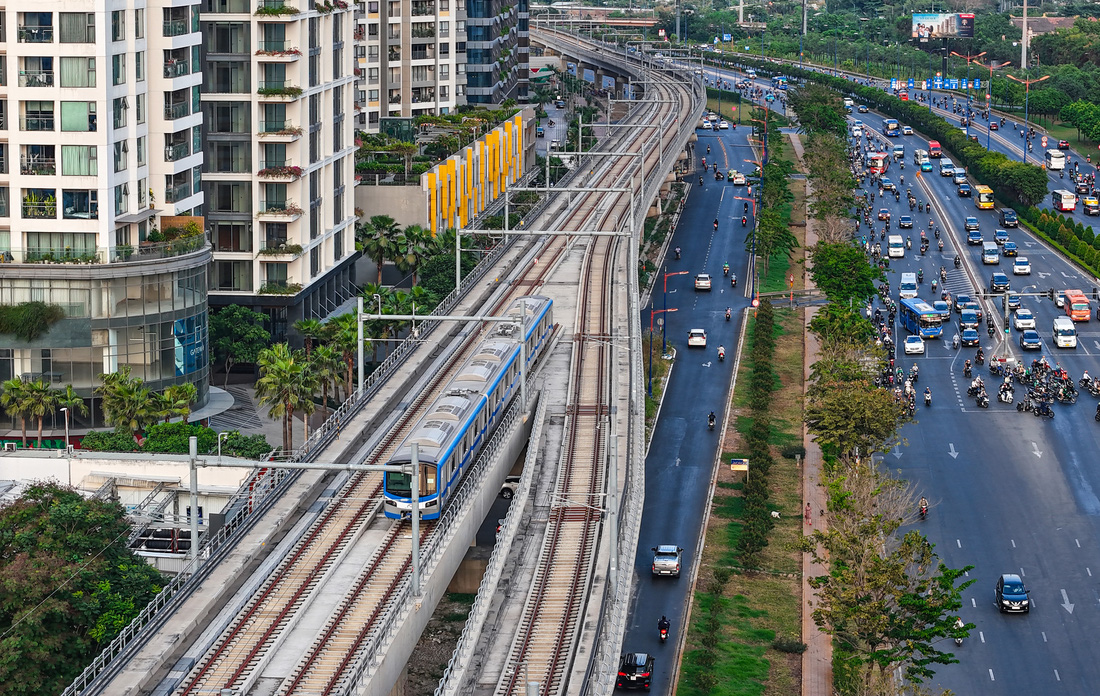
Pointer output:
x,y
458,423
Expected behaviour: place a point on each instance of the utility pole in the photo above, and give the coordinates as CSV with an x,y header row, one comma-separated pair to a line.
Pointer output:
x,y
1023,42
741,12
679,38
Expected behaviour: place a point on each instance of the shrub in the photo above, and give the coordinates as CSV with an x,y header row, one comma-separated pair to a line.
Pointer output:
x,y
789,645
108,441
172,438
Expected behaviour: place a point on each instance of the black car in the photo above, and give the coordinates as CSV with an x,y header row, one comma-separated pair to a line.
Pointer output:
x,y
635,671
905,222
971,305
970,337
964,190
1011,595
1008,217
998,282
1063,144
862,109
1081,186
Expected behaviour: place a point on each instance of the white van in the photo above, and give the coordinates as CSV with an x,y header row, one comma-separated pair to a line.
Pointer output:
x,y
920,156
947,168
895,246
908,286
991,253
960,175
848,102
1065,335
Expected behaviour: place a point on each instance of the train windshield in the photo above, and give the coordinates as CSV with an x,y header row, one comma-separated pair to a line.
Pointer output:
x,y
399,484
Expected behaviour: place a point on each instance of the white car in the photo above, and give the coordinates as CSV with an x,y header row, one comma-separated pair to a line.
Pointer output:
x,y
1023,319
511,483
702,281
906,130
705,125
1021,266
914,345
723,125
697,338
739,179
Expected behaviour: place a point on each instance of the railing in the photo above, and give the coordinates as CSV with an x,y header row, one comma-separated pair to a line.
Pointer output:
x,y
42,166
272,46
177,151
36,78
35,34
174,111
40,211
420,9
273,84
174,194
424,33
122,253
176,27
270,164
177,68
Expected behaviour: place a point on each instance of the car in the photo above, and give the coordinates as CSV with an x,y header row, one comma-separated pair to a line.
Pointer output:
x,y
972,305
998,282
973,237
962,299
947,168
1030,340
667,559
705,125
1081,186
723,125
635,671
887,185
697,338
702,281
1091,205
1011,594
540,132
1023,319
914,345
1008,217
968,319
1063,144
738,179
971,223
994,125
718,175
941,306
883,214
770,97
964,190
511,483
1021,266
1060,298
970,337
862,109
1010,249
560,103
906,130
926,166
905,222
1013,301
857,132
1000,236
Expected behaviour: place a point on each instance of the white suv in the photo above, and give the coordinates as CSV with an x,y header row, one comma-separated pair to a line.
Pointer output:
x,y
697,338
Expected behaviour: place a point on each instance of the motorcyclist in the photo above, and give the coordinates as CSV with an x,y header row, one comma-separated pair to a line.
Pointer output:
x,y
958,261
979,357
729,312
733,280
966,368
920,275
940,244
721,352
959,625
663,623
716,224
923,504
744,221
677,252
710,419
933,285
927,396
725,269
700,181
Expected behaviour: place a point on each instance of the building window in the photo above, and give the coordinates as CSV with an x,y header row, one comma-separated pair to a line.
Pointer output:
x,y
227,77
139,66
78,117
77,72
315,147
122,149
139,23
80,205
372,54
227,117
37,116
118,69
276,273
314,262
231,236
141,150
139,104
79,160
118,25
444,93
118,111
229,158
77,27
275,234
231,197
232,276
338,245
143,186
122,199
232,37
444,72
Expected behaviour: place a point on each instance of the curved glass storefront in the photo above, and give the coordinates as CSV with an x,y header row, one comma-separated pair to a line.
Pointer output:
x,y
150,316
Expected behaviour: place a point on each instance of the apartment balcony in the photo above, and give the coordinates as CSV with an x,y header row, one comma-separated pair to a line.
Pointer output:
x,y
173,153
279,131
179,110
35,34
36,78
279,171
280,211
39,210
277,11
176,27
178,192
279,248
278,90
38,166
278,52
177,68
36,123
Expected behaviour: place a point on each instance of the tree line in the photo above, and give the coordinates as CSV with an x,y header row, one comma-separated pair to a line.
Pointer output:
x,y
886,599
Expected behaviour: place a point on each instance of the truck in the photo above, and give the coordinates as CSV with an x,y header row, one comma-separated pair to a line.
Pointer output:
x,y
1077,306
934,149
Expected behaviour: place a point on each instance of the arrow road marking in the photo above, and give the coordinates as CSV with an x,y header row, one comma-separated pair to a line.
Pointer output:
x,y
951,450
896,452
1097,344
1066,275
1065,602
707,364
1035,450
1043,275
1029,244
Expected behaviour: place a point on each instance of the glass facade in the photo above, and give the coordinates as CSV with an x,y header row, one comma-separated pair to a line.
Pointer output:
x,y
156,324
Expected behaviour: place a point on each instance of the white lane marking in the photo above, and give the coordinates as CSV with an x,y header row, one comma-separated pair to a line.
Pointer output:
x,y
1035,450
1066,603
1044,636
896,452
1022,573
1078,543
1013,543
991,677
1087,570
959,543
1056,675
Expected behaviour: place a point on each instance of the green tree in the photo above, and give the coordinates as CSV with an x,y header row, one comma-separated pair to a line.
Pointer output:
x,y
127,403
13,399
854,418
68,398
819,109
841,271
237,335
176,400
311,330
40,401
375,239
284,387
326,364
70,584
412,248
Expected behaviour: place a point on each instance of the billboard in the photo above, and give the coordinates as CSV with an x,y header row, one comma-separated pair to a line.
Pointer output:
x,y
943,26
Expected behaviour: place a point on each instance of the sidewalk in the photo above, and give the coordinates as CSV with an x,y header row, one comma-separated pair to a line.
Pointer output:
x,y
817,667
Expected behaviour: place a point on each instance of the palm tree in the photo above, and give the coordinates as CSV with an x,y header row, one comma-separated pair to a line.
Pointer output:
x,y
126,402
72,401
346,340
176,400
312,330
375,239
412,249
40,401
407,152
283,386
326,365
13,399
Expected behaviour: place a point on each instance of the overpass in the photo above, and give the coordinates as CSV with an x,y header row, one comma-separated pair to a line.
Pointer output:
x,y
338,608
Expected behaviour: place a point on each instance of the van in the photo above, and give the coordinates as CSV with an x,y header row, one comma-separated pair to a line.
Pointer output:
x,y
555,144
960,175
991,254
1065,334
895,247
899,151
1008,217
908,286
920,156
947,168
848,102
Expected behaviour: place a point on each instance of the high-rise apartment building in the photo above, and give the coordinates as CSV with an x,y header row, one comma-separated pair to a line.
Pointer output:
x,y
496,51
277,103
100,131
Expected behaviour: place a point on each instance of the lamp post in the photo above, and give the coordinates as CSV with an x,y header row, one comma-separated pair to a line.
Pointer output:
x,y
1027,90
988,99
969,59
664,337
652,312
70,459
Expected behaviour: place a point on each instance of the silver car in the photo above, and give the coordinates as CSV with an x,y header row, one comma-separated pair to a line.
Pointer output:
x,y
667,559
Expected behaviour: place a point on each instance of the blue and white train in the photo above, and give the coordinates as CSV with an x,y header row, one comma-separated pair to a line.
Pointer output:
x,y
455,427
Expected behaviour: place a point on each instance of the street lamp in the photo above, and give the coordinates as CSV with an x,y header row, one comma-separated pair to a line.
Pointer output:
x,y
988,99
664,337
663,322
66,412
969,59
1027,90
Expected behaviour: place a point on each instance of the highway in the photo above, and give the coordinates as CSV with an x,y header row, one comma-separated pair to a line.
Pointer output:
x,y
681,458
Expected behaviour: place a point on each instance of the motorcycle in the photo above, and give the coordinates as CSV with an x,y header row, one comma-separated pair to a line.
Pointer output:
x,y
979,359
1006,396
727,313
1026,405
733,280
940,245
923,511
725,269
744,221
664,633
968,373
1097,416
983,400
1043,410
927,399
677,253
710,421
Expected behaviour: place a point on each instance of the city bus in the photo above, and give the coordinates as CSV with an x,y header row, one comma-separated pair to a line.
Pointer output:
x,y
983,197
1077,305
891,128
1056,159
919,317
779,82
934,149
1064,200
877,162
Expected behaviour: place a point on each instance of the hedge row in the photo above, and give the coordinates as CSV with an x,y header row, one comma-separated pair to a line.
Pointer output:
x,y
1080,244
1011,180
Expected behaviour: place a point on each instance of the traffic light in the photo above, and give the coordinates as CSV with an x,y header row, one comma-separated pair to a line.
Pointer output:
x,y
1050,293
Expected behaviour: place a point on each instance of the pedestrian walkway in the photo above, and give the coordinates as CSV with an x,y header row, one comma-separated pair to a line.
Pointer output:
x,y
817,668
243,415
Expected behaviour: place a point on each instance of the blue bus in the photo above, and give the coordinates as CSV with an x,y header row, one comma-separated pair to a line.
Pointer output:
x,y
890,127
919,317
779,82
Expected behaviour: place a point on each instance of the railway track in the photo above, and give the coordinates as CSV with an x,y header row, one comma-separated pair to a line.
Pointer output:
x,y
238,655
